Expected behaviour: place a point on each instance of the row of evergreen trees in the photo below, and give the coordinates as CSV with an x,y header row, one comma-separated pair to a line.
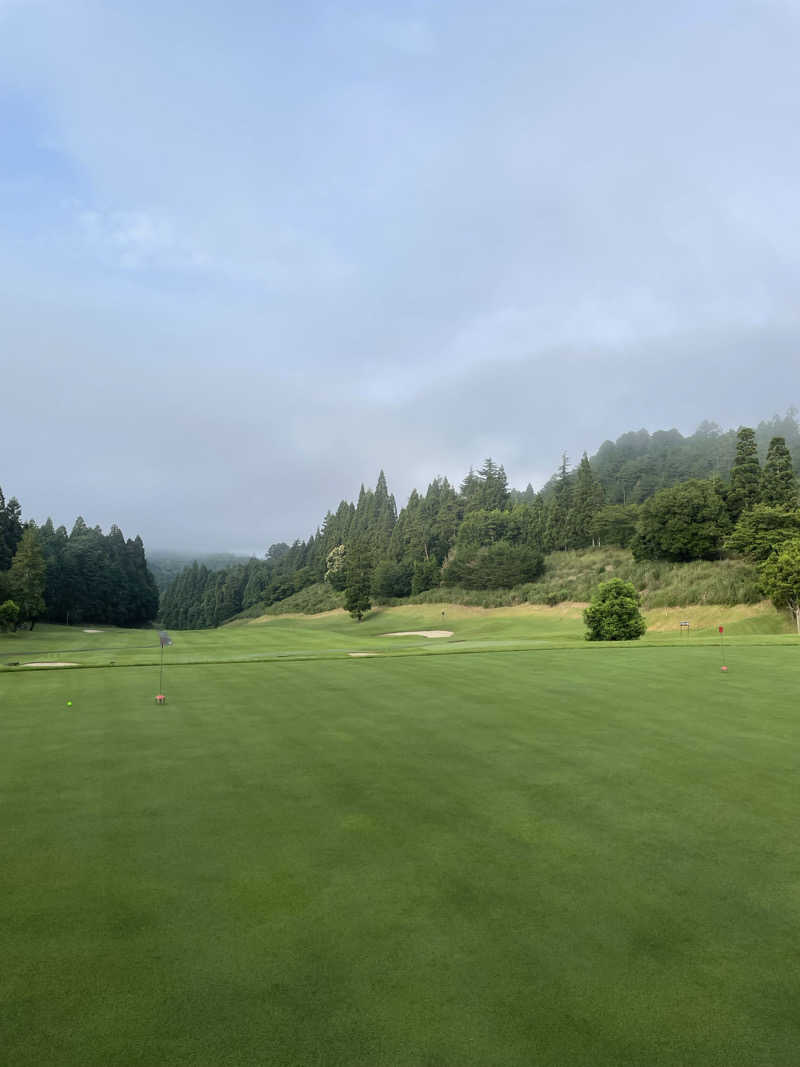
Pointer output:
x,y
83,576
703,518
485,535
638,464
662,494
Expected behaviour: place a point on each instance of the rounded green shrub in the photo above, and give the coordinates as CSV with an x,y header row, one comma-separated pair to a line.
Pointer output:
x,y
614,614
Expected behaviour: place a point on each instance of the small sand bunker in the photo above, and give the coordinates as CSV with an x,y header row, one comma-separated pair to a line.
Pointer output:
x,y
51,663
420,633
92,631
357,655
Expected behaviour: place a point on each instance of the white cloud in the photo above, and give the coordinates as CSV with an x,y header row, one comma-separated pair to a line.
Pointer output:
x,y
144,240
416,245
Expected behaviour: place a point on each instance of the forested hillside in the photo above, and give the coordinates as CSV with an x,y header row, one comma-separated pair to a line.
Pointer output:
x,y
166,566
84,575
637,464
662,495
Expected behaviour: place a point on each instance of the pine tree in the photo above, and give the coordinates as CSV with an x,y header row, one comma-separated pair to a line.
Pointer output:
x,y
487,490
527,523
778,482
365,510
359,580
557,509
587,498
470,491
441,509
27,578
147,602
53,543
785,426
408,536
230,592
255,584
119,585
383,520
494,490
10,530
745,483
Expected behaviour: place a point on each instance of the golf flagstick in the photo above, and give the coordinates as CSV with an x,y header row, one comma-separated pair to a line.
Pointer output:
x,y
164,640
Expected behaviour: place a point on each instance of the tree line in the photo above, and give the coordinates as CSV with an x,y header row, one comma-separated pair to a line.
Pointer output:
x,y
81,576
165,566
718,499
662,495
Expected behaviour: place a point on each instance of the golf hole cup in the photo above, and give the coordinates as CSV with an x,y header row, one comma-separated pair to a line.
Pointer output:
x,y
161,699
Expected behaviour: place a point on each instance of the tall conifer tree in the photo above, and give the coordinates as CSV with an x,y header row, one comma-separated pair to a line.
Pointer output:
x,y
557,507
10,530
778,482
359,580
587,497
745,484
27,578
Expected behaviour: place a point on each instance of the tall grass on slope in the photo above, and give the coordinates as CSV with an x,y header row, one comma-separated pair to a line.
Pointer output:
x,y
576,574
309,601
661,584
570,576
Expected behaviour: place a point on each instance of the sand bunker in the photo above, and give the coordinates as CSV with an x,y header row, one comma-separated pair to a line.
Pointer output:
x,y
51,663
420,633
92,631
355,655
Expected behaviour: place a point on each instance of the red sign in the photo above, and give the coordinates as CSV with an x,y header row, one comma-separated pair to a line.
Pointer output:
x,y
720,629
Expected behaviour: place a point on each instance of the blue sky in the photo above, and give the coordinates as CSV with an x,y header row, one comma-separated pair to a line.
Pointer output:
x,y
252,253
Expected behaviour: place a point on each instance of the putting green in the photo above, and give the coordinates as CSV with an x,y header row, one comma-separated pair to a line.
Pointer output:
x,y
559,855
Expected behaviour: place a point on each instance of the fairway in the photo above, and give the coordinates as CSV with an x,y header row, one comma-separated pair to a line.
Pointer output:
x,y
554,854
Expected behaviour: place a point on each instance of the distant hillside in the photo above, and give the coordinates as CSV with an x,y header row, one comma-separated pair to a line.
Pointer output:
x,y
639,463
166,566
663,495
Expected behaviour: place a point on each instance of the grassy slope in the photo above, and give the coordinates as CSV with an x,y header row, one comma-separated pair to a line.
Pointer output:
x,y
541,858
573,576
334,634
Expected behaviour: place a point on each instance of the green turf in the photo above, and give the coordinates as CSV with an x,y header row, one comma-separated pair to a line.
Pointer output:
x,y
569,855
334,636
